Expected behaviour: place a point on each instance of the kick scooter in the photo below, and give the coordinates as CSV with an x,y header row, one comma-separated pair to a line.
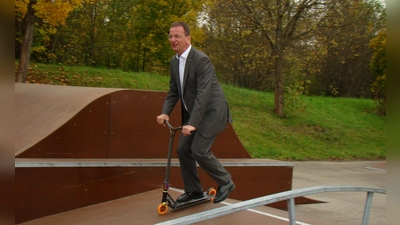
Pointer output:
x,y
167,200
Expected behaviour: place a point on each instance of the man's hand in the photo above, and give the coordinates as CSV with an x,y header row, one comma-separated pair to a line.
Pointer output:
x,y
187,130
161,118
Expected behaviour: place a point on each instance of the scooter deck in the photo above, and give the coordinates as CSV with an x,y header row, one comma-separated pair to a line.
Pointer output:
x,y
181,205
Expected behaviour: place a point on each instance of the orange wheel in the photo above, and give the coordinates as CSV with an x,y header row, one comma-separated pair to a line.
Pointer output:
x,y
162,209
212,192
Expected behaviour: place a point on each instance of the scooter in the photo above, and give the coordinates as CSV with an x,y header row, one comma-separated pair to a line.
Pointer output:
x,y
167,200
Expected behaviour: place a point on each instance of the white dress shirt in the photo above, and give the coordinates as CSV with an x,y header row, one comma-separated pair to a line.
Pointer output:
x,y
182,62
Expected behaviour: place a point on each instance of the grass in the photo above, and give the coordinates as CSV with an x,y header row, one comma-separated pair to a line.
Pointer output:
x,y
94,77
325,129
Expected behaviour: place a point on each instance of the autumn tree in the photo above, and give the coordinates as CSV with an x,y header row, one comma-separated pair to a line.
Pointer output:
x,y
279,23
129,35
29,11
29,19
241,57
378,70
341,47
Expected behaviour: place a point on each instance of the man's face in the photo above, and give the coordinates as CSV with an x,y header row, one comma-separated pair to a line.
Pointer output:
x,y
177,39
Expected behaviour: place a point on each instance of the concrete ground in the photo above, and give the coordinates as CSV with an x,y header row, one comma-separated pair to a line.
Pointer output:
x,y
337,208
342,207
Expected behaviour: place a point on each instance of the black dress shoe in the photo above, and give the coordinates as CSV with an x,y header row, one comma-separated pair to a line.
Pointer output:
x,y
224,191
187,196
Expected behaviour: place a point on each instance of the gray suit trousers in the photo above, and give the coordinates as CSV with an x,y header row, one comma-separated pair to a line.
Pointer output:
x,y
196,148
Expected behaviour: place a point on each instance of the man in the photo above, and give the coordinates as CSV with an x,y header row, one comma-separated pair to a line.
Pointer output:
x,y
204,114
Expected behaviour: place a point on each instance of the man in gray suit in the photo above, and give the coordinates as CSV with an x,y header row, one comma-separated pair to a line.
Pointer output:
x,y
204,114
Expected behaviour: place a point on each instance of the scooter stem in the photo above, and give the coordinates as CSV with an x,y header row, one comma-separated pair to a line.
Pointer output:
x,y
172,131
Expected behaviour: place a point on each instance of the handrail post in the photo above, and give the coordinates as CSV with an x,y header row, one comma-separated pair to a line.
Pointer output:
x,y
367,208
291,210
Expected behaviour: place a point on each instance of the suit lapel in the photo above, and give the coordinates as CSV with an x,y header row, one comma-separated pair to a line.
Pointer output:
x,y
175,71
187,66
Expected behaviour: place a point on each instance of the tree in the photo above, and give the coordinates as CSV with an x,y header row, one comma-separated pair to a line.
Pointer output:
x,y
378,70
341,46
27,42
52,12
129,35
241,57
280,23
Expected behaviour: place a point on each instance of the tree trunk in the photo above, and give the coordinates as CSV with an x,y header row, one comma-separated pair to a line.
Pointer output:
x,y
278,101
91,60
27,43
278,57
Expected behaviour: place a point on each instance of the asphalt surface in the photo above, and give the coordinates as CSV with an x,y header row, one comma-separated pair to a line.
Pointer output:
x,y
345,208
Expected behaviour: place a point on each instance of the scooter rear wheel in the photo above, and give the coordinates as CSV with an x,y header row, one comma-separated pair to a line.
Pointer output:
x,y
212,192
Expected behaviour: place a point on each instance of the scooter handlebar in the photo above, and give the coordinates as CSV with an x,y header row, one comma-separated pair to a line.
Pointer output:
x,y
171,127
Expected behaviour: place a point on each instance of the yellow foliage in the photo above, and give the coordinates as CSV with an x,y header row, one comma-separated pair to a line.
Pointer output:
x,y
55,12
52,12
38,49
21,7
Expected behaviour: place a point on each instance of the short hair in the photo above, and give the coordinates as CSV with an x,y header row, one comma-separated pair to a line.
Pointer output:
x,y
186,28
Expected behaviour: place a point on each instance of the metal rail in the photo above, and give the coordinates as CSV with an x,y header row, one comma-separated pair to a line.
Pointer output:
x,y
287,195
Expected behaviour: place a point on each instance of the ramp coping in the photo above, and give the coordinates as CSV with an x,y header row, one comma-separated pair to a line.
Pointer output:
x,y
64,162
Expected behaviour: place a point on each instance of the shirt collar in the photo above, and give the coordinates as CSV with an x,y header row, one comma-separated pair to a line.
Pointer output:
x,y
185,53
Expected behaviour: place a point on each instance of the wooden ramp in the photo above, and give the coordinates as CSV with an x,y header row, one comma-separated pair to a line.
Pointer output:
x,y
42,109
50,186
81,122
142,209
61,130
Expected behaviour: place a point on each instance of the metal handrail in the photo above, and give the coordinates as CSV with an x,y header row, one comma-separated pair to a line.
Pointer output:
x,y
287,195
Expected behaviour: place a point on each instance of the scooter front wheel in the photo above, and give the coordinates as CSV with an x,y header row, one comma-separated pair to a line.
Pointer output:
x,y
162,209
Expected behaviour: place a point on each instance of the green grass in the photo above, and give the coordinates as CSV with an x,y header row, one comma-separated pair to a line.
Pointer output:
x,y
94,77
326,129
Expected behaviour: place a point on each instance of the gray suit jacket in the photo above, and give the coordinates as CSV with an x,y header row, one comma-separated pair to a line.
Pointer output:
x,y
202,93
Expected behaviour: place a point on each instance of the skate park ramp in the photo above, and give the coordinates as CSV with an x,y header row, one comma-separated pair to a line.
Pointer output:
x,y
75,122
81,146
